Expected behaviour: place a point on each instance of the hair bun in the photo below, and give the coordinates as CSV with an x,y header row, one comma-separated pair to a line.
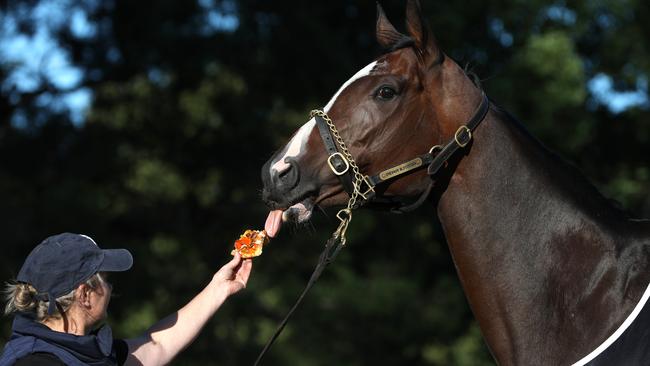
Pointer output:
x,y
25,297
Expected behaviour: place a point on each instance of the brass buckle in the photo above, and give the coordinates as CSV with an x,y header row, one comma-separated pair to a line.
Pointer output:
x,y
458,132
364,194
347,165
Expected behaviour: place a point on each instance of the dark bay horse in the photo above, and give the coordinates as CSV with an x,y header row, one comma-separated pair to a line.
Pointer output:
x,y
551,270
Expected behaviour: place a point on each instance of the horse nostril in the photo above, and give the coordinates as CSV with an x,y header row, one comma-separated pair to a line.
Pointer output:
x,y
289,177
284,173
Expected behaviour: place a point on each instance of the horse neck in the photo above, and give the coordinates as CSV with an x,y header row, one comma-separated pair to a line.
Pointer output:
x,y
543,258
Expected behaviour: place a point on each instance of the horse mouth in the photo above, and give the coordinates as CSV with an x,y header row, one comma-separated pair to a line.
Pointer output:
x,y
296,213
300,209
300,212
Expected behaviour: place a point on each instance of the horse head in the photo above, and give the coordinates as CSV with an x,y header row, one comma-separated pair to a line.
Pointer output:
x,y
399,106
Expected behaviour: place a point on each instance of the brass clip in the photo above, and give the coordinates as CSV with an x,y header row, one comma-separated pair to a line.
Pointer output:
x,y
343,226
345,211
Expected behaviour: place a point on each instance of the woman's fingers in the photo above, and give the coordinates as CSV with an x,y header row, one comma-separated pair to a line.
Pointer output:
x,y
234,262
234,274
245,270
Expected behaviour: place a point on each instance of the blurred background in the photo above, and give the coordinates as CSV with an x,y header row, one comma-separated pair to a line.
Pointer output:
x,y
145,124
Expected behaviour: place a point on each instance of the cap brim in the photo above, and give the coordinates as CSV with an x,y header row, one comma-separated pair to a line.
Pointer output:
x,y
116,260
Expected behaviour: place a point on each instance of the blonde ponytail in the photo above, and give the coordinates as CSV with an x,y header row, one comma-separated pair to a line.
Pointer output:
x,y
21,298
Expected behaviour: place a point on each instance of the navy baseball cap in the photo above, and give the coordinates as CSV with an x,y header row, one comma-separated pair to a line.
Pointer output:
x,y
62,262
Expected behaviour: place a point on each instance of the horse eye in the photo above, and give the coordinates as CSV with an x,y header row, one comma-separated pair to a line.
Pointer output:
x,y
386,93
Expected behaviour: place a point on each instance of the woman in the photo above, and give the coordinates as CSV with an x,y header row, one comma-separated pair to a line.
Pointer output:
x,y
61,296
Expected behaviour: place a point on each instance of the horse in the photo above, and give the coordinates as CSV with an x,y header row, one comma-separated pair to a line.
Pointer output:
x,y
553,272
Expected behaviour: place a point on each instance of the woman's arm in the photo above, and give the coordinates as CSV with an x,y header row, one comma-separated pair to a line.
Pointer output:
x,y
165,339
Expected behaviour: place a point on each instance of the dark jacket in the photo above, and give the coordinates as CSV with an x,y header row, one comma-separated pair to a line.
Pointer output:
x,y
30,338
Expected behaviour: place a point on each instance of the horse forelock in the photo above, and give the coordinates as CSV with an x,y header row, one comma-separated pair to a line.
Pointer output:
x,y
404,42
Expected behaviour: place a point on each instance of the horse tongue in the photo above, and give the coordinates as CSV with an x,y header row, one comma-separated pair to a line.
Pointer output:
x,y
273,223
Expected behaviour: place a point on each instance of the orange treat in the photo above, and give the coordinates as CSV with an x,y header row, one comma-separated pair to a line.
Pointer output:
x,y
250,243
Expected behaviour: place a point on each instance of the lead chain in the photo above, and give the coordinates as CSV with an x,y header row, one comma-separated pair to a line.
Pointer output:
x,y
344,215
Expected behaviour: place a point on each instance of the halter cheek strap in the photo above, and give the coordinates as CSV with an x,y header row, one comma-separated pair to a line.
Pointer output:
x,y
336,161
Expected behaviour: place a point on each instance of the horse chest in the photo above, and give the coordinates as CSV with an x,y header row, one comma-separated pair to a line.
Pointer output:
x,y
629,344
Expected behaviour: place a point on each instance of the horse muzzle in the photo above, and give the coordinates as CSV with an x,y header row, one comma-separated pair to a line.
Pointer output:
x,y
279,184
287,189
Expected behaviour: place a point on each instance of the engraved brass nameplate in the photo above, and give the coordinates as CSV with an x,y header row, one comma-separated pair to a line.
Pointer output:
x,y
402,168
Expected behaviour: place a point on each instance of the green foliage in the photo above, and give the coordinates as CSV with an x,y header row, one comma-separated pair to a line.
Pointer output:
x,y
157,181
551,58
184,115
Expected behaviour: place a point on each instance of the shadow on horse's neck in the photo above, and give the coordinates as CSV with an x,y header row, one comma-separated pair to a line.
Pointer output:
x,y
549,267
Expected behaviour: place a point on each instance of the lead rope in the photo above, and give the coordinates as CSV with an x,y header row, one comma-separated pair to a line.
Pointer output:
x,y
336,242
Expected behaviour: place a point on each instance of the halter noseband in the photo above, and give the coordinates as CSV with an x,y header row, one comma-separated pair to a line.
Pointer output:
x,y
362,187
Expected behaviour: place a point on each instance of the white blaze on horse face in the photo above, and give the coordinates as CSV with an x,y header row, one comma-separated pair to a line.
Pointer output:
x,y
295,147
297,144
361,73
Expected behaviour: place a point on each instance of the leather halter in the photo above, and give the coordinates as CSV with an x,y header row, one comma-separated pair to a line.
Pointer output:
x,y
434,159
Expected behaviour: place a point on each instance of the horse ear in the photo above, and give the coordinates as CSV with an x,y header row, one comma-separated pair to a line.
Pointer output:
x,y
419,30
387,35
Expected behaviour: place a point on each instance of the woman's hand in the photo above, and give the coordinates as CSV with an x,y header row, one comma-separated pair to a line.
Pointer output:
x,y
233,276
